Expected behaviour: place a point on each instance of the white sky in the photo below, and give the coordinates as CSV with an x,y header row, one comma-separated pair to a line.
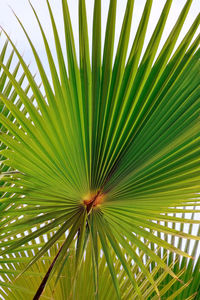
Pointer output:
x,y
24,12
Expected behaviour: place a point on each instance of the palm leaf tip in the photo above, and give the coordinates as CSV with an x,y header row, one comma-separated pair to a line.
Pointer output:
x,y
94,169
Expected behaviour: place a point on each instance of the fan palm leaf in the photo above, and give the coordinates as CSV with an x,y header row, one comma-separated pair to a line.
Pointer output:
x,y
24,286
105,150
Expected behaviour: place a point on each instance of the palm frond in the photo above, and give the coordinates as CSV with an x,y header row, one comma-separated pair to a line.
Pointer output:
x,y
24,287
104,150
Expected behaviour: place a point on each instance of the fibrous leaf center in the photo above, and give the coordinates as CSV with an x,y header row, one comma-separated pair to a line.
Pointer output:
x,y
93,200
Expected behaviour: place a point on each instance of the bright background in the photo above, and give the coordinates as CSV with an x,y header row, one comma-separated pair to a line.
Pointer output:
x,y
23,10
